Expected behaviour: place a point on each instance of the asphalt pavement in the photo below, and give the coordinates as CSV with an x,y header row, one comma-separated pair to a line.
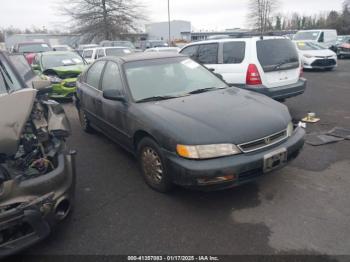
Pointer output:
x,y
301,209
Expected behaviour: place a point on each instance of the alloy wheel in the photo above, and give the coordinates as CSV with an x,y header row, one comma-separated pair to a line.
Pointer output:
x,y
152,165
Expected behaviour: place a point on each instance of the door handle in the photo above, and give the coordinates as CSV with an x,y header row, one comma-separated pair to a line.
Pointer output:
x,y
211,69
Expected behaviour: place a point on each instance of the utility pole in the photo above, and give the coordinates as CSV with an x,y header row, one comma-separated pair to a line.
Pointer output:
x,y
169,23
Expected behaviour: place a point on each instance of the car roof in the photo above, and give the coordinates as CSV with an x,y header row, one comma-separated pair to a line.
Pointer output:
x,y
57,53
254,38
145,56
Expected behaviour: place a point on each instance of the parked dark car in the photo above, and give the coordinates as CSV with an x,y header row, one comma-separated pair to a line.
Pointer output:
x,y
37,174
183,123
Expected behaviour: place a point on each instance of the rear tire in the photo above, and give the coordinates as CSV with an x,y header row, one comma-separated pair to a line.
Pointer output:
x,y
152,165
85,122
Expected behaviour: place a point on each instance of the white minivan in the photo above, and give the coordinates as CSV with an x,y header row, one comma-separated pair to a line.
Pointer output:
x,y
269,65
326,37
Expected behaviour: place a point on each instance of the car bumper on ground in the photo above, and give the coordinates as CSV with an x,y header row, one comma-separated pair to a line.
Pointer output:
x,y
34,206
281,92
244,167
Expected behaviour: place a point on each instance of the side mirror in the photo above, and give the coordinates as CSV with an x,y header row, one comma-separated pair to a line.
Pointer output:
x,y
115,95
41,84
219,76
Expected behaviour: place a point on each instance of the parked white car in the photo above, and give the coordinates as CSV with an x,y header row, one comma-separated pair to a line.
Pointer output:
x,y
315,56
326,37
91,54
163,49
270,66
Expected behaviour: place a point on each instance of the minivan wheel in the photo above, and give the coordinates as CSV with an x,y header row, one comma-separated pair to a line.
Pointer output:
x,y
152,166
84,122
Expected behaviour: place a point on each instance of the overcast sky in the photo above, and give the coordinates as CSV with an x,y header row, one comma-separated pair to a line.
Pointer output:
x,y
204,14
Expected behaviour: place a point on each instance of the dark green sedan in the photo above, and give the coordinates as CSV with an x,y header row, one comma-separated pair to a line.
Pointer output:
x,y
62,69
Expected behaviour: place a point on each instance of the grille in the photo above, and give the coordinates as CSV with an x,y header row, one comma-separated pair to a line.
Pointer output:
x,y
263,142
324,62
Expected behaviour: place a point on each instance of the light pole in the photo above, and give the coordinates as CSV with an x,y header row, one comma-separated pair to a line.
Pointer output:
x,y
169,24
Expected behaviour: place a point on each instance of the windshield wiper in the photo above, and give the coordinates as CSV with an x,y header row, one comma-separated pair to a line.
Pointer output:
x,y
278,66
156,98
203,90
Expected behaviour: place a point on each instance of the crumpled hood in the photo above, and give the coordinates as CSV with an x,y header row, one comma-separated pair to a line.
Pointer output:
x,y
67,71
226,116
15,109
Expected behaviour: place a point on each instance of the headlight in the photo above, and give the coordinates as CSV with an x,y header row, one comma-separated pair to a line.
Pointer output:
x,y
54,79
308,56
207,151
290,129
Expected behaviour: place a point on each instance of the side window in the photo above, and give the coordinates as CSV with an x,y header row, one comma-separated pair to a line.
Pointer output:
x,y
100,53
321,39
94,74
112,78
87,54
190,51
3,89
234,52
208,54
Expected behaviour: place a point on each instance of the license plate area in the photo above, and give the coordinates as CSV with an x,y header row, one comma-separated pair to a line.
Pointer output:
x,y
275,160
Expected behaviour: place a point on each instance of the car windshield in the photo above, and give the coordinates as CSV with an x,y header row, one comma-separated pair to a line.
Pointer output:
x,y
8,80
171,77
311,35
117,51
33,48
22,66
304,46
61,59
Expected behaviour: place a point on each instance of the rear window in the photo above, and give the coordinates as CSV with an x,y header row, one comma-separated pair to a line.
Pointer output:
x,y
277,54
33,48
234,52
307,35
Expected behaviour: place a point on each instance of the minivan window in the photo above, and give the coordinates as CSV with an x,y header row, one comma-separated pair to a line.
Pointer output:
x,y
190,51
310,35
208,54
94,74
234,52
277,54
111,78
87,53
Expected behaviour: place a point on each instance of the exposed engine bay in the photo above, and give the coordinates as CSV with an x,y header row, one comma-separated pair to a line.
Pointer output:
x,y
37,174
31,138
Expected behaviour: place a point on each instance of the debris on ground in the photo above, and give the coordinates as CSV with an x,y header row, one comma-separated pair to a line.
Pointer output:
x,y
319,140
340,132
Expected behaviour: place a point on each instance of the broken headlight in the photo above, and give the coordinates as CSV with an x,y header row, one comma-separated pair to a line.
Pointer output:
x,y
54,79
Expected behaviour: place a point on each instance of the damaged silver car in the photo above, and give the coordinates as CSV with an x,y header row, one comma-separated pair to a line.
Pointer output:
x,y
37,172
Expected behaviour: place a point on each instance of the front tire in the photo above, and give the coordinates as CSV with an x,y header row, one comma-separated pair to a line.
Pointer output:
x,y
151,162
84,122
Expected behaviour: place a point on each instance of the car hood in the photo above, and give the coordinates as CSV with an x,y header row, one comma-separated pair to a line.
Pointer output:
x,y
324,52
226,116
67,71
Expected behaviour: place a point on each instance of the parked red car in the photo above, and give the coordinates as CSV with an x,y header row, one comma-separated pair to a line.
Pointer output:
x,y
30,49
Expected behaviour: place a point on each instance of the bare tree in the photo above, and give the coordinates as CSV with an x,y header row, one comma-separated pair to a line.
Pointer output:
x,y
103,19
261,13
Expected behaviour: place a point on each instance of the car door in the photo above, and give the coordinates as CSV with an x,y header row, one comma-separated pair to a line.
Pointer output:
x,y
114,112
90,93
101,53
233,63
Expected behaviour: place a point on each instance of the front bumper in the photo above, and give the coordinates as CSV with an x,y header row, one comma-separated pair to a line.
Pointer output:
x,y
65,89
245,167
281,92
29,208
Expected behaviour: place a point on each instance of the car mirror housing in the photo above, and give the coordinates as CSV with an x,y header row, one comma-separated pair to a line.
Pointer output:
x,y
113,94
